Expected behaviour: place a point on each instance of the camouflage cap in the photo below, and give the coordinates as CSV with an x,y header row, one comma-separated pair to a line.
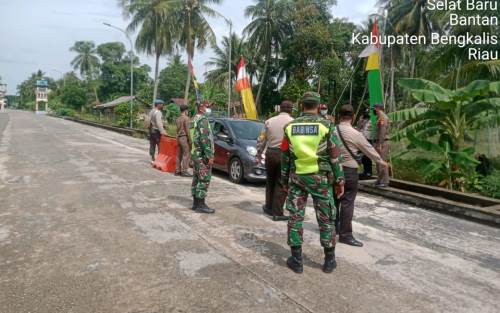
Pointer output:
x,y
311,96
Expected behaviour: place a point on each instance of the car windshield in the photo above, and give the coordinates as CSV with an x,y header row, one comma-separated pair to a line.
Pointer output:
x,y
248,130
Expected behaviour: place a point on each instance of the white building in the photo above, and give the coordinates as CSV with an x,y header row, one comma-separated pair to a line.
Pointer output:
x,y
3,100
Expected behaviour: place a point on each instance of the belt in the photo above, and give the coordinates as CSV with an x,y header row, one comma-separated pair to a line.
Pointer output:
x,y
179,136
274,148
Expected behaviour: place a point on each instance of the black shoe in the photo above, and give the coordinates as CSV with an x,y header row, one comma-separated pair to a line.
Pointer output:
x,y
266,210
330,263
195,203
295,261
177,174
351,242
203,207
185,175
278,218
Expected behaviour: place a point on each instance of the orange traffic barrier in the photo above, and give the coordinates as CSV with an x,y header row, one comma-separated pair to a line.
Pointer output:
x,y
165,160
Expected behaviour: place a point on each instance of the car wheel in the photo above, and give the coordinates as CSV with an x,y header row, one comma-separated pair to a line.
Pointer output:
x,y
236,171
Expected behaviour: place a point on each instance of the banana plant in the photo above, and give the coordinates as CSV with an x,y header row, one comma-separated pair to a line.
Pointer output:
x,y
442,119
442,111
453,167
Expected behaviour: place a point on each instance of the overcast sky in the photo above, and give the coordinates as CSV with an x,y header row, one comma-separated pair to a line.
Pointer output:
x,y
37,34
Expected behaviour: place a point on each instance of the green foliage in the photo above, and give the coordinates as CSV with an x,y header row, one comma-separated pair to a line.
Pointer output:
x,y
172,79
122,112
86,60
294,89
490,185
28,87
453,168
172,112
111,52
73,94
62,111
448,116
215,94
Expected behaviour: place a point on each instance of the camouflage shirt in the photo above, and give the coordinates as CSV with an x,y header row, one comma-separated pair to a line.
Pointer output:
x,y
202,138
329,157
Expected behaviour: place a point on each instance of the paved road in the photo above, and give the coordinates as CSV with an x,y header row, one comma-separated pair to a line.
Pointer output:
x,y
87,226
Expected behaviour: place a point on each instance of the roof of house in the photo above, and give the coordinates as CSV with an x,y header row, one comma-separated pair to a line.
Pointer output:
x,y
178,101
115,102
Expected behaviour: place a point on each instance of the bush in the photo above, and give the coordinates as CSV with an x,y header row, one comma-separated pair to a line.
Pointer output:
x,y
490,185
122,112
62,111
411,170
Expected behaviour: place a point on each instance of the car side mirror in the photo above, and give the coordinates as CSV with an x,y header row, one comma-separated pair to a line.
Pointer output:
x,y
224,137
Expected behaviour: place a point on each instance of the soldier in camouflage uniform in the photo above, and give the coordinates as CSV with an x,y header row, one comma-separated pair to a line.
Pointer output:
x,y
310,164
202,156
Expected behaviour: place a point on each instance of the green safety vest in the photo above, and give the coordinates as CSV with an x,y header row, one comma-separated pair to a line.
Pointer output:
x,y
305,139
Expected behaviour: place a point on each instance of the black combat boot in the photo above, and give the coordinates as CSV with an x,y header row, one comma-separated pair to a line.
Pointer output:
x,y
295,261
196,202
330,263
203,207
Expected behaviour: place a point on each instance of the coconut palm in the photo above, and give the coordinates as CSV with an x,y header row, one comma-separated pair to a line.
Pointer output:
x,y
218,63
193,30
410,17
156,31
266,32
86,62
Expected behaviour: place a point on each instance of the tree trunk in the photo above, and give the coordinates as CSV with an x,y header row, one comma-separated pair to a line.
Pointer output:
x,y
350,93
259,93
186,91
96,97
392,103
157,81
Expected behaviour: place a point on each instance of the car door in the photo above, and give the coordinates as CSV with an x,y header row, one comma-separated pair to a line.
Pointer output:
x,y
222,147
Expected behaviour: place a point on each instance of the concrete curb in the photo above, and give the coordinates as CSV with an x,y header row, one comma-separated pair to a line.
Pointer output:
x,y
476,208
126,131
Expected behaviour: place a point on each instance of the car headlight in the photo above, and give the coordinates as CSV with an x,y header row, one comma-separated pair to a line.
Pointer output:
x,y
252,151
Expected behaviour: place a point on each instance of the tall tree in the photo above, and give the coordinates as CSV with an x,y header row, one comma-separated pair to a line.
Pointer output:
x,y
157,33
194,29
86,62
172,79
266,32
410,17
219,63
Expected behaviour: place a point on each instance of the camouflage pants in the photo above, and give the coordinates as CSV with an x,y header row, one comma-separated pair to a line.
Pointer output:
x,y
319,188
202,174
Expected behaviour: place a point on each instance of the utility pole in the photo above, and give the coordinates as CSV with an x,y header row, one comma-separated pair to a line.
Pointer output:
x,y
131,69
229,89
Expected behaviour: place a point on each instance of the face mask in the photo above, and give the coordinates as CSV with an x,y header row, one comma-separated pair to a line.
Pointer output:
x,y
208,111
324,112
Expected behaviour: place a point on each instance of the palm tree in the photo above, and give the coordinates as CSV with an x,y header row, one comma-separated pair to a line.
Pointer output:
x,y
219,72
266,32
86,62
193,30
157,33
410,17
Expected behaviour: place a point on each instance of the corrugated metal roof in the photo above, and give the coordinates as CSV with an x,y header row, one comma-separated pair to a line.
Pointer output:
x,y
115,102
